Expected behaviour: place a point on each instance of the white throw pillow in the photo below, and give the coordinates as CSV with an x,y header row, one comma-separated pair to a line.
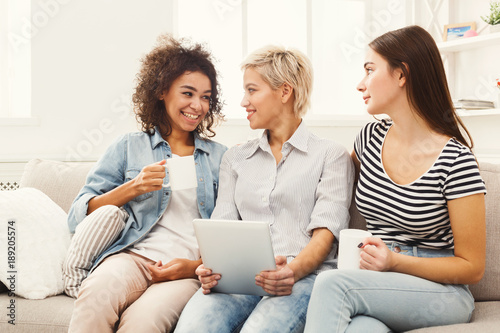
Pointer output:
x,y
35,230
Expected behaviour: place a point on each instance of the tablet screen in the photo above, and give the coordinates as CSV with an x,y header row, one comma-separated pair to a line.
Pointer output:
x,y
238,251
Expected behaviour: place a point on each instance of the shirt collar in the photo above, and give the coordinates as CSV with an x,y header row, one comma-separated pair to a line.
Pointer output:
x,y
156,138
199,142
298,140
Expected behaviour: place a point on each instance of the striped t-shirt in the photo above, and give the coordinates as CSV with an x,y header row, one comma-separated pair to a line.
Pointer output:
x,y
414,214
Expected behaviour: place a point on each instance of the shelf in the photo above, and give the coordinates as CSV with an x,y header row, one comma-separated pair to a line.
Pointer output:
x,y
473,113
469,43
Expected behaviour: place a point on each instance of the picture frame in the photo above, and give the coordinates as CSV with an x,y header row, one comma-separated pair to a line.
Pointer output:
x,y
457,30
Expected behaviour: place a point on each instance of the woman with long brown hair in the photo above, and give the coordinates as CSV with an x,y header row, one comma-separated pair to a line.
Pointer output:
x,y
421,194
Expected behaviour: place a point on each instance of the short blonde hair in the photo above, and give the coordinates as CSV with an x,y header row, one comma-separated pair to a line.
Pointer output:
x,y
278,65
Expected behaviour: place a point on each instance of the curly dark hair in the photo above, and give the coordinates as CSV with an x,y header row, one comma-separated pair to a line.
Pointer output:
x,y
165,63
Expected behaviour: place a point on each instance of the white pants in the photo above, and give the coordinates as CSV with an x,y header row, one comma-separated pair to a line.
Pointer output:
x,y
119,294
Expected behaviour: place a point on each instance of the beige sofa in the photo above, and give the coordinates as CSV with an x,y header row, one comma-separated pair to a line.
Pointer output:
x,y
61,181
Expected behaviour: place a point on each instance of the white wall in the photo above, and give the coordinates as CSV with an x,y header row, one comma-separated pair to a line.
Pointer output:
x,y
85,59
476,71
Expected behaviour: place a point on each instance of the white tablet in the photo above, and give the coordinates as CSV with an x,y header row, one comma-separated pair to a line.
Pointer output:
x,y
238,251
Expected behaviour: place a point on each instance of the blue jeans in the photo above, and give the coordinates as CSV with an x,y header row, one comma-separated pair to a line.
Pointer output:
x,y
370,301
221,313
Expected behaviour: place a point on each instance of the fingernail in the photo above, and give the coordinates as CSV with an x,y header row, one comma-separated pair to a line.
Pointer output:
x,y
360,245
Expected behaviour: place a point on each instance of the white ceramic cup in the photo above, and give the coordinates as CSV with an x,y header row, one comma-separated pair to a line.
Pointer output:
x,y
349,252
181,173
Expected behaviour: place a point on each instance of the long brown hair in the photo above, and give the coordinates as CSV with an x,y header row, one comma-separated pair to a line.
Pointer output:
x,y
413,50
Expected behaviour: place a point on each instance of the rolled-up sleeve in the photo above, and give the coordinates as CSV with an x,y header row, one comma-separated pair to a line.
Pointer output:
x,y
334,191
225,207
107,174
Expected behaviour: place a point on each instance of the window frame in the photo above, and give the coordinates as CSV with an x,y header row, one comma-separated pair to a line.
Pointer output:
x,y
352,110
15,63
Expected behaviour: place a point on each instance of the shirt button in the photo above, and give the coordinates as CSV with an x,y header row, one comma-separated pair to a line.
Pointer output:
x,y
201,179
202,203
397,249
264,199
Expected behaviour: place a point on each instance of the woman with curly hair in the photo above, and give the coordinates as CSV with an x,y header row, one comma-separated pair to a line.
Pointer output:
x,y
134,234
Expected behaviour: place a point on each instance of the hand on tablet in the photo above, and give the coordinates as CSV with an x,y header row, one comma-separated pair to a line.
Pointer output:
x,y
279,282
207,279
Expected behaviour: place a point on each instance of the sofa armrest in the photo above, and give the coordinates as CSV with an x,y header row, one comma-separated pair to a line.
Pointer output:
x,y
60,181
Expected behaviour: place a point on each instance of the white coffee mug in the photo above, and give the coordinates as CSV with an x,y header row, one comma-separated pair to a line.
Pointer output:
x,y
349,251
181,173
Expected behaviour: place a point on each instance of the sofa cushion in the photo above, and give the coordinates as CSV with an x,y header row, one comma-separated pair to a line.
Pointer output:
x,y
61,181
92,236
357,221
51,315
484,319
37,236
489,287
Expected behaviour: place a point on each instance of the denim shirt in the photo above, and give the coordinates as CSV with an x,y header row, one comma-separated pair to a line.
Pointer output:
x,y
123,161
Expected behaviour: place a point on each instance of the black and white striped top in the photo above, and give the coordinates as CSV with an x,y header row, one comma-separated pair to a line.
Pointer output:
x,y
414,214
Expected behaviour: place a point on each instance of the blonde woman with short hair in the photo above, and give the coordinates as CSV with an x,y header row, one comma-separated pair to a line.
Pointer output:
x,y
299,183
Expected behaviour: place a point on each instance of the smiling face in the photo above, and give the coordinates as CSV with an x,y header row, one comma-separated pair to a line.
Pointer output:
x,y
261,102
187,101
382,87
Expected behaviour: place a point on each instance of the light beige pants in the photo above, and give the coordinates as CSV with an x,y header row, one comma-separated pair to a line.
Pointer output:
x,y
119,295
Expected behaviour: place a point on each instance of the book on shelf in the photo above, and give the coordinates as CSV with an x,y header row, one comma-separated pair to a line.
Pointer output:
x,y
473,104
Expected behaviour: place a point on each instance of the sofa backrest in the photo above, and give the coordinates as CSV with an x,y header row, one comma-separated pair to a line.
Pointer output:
x,y
488,289
60,181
